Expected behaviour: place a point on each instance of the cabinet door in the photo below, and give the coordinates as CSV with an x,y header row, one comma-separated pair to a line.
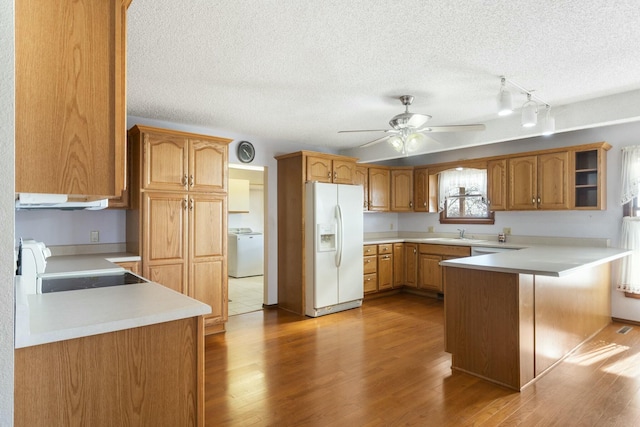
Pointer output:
x,y
421,190
207,249
411,264
164,250
385,272
361,177
319,169
402,190
497,184
166,162
207,166
343,171
430,272
553,181
70,115
398,265
379,183
523,179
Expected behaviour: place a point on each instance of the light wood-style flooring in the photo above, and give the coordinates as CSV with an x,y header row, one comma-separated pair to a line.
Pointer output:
x,y
384,365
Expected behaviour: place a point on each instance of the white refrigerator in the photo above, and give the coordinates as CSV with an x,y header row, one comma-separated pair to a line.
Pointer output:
x,y
333,243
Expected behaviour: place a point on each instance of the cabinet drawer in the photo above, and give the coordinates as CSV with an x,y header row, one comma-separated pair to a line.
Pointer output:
x,y
451,250
370,282
370,250
370,264
387,248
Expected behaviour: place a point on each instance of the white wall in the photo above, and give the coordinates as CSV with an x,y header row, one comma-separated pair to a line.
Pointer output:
x,y
7,178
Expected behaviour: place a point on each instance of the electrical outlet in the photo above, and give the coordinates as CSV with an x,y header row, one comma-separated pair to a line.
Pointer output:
x,y
430,229
391,226
95,237
506,230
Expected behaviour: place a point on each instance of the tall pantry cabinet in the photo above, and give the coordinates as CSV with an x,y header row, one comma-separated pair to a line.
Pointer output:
x,y
177,221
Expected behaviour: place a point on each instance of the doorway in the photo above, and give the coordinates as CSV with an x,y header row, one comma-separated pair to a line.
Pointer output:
x,y
247,238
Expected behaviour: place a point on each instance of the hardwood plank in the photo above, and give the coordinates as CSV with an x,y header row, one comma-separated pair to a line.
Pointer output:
x,y
384,364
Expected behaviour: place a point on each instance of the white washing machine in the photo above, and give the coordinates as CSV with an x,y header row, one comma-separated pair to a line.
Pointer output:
x,y
246,253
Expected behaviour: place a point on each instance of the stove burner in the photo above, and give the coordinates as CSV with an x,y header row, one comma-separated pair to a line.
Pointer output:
x,y
88,282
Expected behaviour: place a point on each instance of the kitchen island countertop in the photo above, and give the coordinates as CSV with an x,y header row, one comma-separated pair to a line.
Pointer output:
x,y
556,261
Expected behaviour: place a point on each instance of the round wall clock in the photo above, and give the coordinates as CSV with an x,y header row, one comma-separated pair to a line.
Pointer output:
x,y
246,152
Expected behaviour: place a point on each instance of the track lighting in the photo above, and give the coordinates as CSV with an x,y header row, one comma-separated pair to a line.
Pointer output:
x,y
529,113
529,108
505,106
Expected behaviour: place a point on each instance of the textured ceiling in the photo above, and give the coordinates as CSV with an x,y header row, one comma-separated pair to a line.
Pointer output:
x,y
299,71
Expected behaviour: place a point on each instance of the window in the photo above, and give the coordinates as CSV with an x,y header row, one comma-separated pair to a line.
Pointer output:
x,y
463,197
631,208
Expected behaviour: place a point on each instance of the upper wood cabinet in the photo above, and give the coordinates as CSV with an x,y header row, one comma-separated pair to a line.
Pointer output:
x,y
588,180
497,184
539,182
402,190
361,177
70,112
331,169
182,162
379,184
421,190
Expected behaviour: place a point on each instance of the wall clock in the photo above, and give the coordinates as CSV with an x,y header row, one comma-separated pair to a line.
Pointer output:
x,y
246,152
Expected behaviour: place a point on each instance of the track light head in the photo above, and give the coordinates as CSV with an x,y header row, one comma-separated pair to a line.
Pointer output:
x,y
529,113
505,106
549,123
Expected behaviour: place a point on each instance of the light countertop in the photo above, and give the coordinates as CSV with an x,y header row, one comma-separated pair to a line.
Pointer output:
x,y
58,316
540,260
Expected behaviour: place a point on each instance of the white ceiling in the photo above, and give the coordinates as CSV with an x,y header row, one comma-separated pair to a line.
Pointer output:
x,y
300,71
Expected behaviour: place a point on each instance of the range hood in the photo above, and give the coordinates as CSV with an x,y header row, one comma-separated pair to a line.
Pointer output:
x,y
26,201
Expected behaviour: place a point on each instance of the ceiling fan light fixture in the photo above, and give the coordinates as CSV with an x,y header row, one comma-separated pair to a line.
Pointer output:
x,y
529,113
413,141
397,143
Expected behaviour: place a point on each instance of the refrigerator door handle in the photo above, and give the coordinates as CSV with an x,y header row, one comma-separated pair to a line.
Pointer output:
x,y
339,236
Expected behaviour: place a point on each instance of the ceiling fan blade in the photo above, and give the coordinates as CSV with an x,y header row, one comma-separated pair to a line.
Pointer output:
x,y
453,128
375,141
363,130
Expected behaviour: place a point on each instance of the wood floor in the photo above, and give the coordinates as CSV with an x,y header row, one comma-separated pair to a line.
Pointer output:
x,y
384,365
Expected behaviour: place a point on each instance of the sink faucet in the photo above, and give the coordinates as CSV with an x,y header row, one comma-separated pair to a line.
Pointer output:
x,y
461,230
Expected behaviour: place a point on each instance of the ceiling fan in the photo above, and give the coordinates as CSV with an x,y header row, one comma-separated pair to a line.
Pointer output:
x,y
408,129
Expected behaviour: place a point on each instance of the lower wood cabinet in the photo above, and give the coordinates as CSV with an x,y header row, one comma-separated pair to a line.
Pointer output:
x,y
150,375
411,265
370,268
398,265
430,273
385,266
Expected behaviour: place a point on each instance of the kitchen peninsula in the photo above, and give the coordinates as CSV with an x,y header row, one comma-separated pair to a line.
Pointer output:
x,y
511,316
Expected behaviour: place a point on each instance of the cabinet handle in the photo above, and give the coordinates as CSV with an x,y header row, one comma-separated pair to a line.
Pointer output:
x,y
184,181
191,180
424,204
190,204
368,261
335,175
538,200
533,200
415,252
184,204
411,205
329,174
